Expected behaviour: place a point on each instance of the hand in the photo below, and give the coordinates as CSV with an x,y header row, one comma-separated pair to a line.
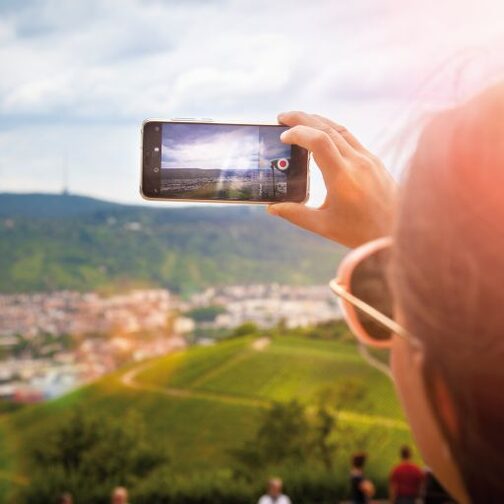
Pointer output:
x,y
361,195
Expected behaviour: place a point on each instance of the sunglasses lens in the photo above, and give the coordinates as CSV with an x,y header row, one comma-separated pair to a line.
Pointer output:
x,y
369,284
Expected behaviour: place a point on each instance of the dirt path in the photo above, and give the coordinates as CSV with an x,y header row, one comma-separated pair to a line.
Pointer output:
x,y
217,370
129,379
257,345
261,343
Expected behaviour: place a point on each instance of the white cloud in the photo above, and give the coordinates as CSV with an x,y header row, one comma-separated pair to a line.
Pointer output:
x,y
225,149
84,74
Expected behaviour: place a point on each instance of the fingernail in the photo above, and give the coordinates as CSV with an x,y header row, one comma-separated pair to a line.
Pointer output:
x,y
283,136
280,117
272,210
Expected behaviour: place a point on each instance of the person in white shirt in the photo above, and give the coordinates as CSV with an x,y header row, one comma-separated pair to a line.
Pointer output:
x,y
274,493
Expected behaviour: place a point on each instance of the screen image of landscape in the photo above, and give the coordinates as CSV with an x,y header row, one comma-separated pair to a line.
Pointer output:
x,y
224,161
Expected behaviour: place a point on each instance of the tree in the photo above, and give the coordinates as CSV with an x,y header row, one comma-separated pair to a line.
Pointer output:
x,y
206,313
284,432
330,435
283,437
88,455
324,426
246,329
291,434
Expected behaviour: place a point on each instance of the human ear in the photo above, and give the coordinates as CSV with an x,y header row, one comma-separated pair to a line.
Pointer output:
x,y
442,400
445,406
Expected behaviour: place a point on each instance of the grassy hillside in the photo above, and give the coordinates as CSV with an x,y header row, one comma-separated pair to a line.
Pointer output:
x,y
51,205
50,242
201,403
6,470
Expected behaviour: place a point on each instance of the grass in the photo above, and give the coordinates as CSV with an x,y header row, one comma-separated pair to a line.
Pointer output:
x,y
199,428
289,368
9,477
5,459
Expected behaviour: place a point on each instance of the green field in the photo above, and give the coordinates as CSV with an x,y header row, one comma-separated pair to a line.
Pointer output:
x,y
57,242
203,402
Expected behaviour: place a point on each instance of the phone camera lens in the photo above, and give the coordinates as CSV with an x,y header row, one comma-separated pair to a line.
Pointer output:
x,y
156,169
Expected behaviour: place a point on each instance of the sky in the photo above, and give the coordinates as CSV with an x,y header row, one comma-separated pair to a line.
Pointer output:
x,y
78,78
221,147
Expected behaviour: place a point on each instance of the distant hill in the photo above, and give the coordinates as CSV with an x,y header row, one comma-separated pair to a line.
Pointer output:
x,y
51,205
50,242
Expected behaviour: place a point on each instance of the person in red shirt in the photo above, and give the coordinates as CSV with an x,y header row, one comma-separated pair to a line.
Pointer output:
x,y
405,480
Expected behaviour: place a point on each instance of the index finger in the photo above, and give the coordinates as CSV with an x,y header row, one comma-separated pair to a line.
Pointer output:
x,y
297,118
349,137
327,156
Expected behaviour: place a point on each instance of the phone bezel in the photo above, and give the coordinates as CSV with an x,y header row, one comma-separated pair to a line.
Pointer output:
x,y
192,200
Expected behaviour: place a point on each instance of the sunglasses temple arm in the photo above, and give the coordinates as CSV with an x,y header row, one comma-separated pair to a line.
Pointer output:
x,y
385,321
373,361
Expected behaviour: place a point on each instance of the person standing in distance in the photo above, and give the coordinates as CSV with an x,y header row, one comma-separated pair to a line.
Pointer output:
x,y
120,496
274,493
361,488
405,480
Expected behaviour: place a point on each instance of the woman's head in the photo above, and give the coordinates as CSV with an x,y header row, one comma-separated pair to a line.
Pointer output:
x,y
359,460
448,279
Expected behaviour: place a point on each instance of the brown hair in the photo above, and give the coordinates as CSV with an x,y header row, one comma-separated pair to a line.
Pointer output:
x,y
359,460
405,452
448,277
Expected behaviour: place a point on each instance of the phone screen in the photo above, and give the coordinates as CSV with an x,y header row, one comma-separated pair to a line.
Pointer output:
x,y
225,162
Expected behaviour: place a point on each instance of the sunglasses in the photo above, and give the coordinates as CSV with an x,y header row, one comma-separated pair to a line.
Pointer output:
x,y
365,296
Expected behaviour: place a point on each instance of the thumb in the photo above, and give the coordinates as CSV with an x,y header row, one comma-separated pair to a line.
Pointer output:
x,y
300,215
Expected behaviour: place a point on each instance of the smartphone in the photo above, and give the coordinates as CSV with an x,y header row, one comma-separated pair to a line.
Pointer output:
x,y
207,161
